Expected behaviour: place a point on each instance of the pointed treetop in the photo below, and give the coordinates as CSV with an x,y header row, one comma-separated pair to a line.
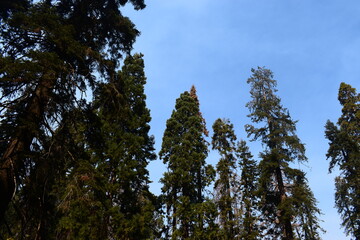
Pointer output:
x,y
193,93
195,97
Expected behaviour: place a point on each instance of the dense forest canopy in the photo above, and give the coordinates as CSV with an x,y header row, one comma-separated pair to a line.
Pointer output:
x,y
76,167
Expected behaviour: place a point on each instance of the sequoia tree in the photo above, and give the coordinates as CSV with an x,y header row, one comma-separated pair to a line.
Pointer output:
x,y
344,152
184,150
281,187
50,53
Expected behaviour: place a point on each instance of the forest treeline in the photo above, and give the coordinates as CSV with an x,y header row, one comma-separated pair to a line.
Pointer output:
x,y
75,142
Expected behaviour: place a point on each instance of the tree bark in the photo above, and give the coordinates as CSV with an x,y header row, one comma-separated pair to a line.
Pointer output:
x,y
13,158
287,227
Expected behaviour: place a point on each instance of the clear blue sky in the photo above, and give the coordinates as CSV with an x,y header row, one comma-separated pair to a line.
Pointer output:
x,y
311,46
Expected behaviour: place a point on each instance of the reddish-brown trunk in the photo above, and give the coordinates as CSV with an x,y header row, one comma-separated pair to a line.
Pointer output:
x,y
13,158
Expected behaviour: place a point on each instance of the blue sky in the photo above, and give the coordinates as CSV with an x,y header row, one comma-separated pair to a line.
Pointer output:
x,y
311,46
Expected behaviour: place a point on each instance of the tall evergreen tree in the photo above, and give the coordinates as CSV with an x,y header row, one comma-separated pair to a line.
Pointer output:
x,y
223,140
344,152
50,51
248,185
278,181
114,177
184,150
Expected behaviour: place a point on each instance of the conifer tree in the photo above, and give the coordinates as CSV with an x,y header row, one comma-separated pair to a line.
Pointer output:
x,y
184,150
248,185
344,152
279,183
223,140
50,51
113,179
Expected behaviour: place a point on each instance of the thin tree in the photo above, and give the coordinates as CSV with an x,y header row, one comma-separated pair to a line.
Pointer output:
x,y
223,140
344,152
248,186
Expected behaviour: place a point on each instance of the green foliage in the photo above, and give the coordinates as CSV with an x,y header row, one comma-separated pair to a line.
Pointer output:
x,y
184,150
248,193
50,53
223,140
111,184
8,7
344,152
282,146
235,194
72,169
209,228
306,223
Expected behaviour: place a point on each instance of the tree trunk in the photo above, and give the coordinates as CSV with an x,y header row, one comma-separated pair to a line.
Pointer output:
x,y
287,227
13,158
286,223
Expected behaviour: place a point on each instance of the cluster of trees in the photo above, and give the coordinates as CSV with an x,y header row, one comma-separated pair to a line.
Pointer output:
x,y
74,168
70,168
265,200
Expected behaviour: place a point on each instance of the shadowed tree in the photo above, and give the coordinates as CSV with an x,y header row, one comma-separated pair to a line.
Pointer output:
x,y
50,51
344,152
